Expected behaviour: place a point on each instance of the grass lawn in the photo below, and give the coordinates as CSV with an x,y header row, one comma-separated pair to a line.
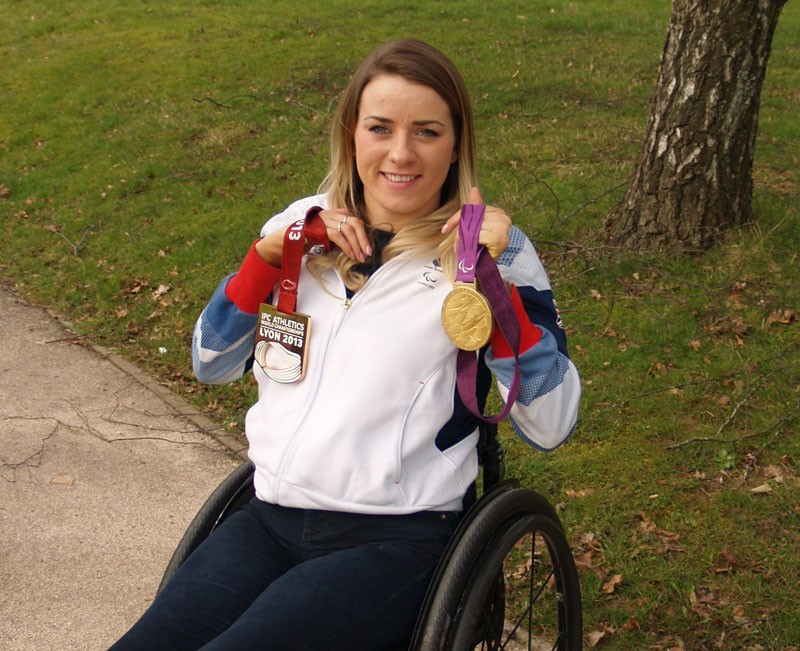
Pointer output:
x,y
142,145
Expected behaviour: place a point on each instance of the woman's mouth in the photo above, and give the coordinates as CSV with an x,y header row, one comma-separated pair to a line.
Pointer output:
x,y
400,178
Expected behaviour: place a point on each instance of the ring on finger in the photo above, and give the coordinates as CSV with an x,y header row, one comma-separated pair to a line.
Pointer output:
x,y
339,226
344,219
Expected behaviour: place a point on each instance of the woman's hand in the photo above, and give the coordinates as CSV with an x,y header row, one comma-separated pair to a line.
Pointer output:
x,y
495,228
347,232
343,230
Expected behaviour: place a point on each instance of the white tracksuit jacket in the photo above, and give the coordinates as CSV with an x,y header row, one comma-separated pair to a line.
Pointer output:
x,y
374,425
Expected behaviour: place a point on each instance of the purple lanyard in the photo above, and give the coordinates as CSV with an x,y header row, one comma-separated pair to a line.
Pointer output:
x,y
475,262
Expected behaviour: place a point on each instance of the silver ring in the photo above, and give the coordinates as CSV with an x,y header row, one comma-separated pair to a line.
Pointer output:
x,y
344,221
339,226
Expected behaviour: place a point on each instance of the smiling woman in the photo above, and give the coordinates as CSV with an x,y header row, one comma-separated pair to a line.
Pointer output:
x,y
405,143
364,452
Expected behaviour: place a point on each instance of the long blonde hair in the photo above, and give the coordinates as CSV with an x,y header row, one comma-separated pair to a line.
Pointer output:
x,y
418,63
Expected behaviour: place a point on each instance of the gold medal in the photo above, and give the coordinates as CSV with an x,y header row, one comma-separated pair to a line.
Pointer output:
x,y
467,317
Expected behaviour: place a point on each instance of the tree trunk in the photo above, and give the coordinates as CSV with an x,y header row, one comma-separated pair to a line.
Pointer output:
x,y
693,177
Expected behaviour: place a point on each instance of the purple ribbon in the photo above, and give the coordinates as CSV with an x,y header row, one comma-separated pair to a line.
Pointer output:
x,y
478,263
469,229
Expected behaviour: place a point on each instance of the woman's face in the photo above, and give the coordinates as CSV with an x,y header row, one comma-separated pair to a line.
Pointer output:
x,y
405,142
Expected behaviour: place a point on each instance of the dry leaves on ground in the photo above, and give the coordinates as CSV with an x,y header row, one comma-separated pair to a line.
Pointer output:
x,y
669,539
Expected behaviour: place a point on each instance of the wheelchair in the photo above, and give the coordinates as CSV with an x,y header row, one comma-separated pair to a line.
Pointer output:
x,y
507,579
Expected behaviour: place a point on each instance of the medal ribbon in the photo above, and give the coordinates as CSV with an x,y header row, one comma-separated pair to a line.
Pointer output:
x,y
475,261
469,229
311,229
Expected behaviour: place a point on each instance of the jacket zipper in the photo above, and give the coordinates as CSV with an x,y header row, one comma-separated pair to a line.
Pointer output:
x,y
288,456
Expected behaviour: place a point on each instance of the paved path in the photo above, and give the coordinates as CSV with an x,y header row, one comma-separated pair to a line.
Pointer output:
x,y
101,470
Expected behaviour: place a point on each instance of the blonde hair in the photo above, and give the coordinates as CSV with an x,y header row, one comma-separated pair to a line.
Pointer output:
x,y
418,63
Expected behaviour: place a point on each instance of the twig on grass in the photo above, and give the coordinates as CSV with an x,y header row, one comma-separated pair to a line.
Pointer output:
x,y
595,199
292,100
53,228
787,419
733,413
224,103
719,378
754,457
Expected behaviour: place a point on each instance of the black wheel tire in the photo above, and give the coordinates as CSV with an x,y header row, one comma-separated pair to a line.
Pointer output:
x,y
233,493
461,610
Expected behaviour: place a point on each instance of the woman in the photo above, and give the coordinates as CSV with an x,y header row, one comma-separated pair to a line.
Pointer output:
x,y
362,465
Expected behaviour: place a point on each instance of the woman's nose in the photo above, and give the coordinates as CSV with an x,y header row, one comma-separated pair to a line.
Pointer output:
x,y
402,150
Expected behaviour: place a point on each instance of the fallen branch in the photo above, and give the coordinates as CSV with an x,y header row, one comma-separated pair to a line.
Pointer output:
x,y
224,103
54,229
720,378
733,413
786,420
586,204
754,457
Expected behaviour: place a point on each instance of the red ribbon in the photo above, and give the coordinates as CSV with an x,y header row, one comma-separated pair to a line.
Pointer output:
x,y
311,229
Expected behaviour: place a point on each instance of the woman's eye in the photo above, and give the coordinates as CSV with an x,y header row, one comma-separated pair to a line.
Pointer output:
x,y
378,128
428,133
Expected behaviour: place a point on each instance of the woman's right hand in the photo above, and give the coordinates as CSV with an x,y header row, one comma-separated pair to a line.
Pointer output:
x,y
343,230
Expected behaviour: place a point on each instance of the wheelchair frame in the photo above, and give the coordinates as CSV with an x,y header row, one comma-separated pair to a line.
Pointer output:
x,y
505,535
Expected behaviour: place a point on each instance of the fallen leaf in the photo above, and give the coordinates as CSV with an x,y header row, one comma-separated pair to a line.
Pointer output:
x,y
658,367
595,294
583,562
136,287
725,561
160,291
611,585
739,616
784,317
764,488
776,473
581,493
593,638
631,624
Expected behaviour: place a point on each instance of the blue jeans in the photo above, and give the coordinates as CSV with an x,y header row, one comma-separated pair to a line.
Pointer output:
x,y
289,579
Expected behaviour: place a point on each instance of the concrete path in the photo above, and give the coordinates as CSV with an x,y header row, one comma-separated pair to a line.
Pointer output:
x,y
101,469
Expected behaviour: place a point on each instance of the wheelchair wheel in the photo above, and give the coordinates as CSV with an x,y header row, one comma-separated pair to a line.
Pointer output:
x,y
233,493
508,581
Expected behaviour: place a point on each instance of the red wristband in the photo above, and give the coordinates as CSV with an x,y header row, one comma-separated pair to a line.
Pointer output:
x,y
254,281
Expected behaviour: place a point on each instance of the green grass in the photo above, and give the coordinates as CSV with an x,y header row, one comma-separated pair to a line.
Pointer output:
x,y
128,194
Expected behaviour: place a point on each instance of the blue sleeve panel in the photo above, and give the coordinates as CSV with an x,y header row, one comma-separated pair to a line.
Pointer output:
x,y
223,341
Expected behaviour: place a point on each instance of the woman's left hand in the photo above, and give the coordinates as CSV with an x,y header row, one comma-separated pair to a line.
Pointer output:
x,y
494,229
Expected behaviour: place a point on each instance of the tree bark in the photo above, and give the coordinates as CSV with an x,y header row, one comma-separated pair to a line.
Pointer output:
x,y
693,176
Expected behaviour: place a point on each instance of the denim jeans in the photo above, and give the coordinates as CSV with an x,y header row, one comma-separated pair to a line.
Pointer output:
x,y
289,579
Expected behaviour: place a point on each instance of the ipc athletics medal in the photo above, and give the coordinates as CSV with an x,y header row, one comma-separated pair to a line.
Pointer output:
x,y
282,334
281,344
466,314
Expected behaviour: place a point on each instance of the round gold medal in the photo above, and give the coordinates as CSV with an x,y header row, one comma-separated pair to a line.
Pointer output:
x,y
467,317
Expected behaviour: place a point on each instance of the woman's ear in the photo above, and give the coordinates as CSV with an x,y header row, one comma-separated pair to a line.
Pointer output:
x,y
454,157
